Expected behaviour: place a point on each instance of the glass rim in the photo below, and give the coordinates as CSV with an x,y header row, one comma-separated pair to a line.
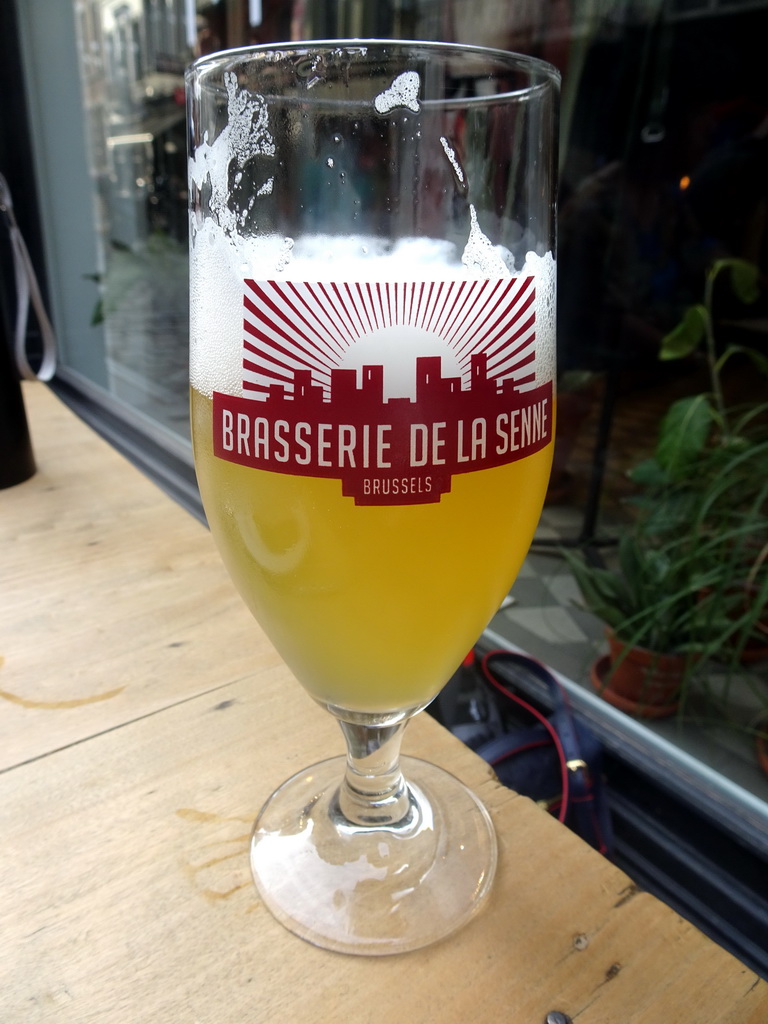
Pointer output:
x,y
541,73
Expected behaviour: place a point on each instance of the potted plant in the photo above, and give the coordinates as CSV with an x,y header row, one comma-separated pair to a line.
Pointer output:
x,y
709,470
689,582
659,626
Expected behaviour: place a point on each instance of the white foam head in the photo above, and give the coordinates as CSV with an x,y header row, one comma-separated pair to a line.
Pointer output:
x,y
219,267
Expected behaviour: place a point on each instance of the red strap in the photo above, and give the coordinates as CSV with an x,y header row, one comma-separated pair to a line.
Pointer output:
x,y
563,813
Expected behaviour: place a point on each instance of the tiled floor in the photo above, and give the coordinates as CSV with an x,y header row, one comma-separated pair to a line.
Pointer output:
x,y
545,617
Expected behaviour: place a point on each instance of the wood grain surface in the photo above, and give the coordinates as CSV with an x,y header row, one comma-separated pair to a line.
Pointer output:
x,y
144,718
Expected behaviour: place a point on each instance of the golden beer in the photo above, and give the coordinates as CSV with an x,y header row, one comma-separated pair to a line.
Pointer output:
x,y
372,607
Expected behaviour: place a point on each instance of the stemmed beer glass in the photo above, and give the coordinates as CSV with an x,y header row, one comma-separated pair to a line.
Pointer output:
x,y
372,385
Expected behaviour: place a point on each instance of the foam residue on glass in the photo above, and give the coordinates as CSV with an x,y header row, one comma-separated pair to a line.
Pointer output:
x,y
544,269
481,255
245,136
451,154
221,257
216,262
484,259
403,92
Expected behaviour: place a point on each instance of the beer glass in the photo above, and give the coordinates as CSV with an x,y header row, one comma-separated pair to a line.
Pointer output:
x,y
372,372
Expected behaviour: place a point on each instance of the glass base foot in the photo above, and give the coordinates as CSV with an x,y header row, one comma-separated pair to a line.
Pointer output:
x,y
373,889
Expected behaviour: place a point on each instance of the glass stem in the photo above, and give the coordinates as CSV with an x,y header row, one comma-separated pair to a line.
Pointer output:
x,y
374,792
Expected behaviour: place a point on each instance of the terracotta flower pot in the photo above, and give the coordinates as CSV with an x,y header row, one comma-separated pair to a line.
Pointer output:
x,y
639,682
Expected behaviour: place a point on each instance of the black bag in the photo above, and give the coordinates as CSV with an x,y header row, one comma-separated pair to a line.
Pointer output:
x,y
539,749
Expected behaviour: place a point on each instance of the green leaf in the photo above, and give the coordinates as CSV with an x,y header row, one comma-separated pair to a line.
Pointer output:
x,y
687,336
649,473
598,586
683,434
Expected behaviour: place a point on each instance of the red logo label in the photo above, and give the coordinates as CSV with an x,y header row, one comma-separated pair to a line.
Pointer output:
x,y
391,388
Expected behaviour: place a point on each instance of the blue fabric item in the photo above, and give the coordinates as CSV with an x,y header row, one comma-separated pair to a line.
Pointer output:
x,y
549,755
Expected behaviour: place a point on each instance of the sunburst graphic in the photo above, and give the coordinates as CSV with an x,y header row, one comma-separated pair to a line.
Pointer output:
x,y
318,327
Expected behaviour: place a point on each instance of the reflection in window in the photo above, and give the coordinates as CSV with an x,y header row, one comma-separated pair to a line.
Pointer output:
x,y
664,132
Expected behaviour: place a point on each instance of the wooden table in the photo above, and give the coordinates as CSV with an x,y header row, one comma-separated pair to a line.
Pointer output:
x,y
143,720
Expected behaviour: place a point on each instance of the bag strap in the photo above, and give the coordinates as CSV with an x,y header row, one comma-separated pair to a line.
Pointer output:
x,y
544,674
27,291
583,792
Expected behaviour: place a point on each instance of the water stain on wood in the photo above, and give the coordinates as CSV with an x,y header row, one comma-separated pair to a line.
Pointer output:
x,y
57,705
228,864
